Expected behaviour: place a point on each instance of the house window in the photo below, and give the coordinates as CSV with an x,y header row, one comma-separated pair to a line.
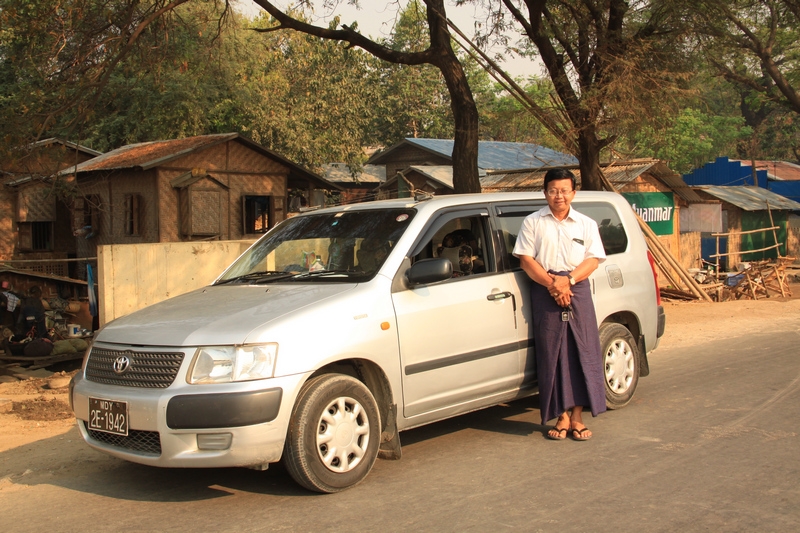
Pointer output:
x,y
90,217
133,210
36,236
256,213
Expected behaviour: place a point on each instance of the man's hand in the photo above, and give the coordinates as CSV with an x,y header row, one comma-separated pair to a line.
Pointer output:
x,y
559,289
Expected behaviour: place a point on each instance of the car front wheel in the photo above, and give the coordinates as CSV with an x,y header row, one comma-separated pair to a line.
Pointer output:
x,y
334,434
621,364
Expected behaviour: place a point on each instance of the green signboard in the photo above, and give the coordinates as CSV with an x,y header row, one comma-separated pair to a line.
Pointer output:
x,y
655,208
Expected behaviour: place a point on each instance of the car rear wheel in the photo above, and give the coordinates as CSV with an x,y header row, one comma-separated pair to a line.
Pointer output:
x,y
334,434
621,364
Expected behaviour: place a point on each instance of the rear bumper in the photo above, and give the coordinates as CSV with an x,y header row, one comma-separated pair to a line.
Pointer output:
x,y
662,322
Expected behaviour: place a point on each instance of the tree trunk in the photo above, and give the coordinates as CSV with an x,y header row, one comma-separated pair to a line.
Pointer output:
x,y
465,140
465,112
589,160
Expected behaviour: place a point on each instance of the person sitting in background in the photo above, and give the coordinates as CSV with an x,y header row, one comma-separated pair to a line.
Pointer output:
x,y
31,317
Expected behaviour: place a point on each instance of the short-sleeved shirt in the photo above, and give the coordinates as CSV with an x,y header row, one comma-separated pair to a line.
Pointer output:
x,y
559,245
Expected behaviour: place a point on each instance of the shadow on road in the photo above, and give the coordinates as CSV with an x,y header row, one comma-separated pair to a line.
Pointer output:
x,y
67,462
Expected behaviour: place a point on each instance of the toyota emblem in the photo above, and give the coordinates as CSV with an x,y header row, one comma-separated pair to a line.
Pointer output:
x,y
121,364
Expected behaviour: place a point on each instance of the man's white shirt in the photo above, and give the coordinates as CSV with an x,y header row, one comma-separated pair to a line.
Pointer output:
x,y
559,245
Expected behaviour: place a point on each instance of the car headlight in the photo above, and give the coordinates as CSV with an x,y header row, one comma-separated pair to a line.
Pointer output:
x,y
224,364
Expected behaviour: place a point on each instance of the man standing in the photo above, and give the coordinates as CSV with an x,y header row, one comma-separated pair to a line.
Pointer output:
x,y
559,248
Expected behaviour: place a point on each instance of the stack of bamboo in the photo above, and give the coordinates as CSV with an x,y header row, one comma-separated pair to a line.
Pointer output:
x,y
762,279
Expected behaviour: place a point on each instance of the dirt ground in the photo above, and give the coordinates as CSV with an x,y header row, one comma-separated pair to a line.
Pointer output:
x,y
38,411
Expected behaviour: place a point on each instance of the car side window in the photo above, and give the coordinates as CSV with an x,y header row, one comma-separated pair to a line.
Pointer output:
x,y
462,240
612,232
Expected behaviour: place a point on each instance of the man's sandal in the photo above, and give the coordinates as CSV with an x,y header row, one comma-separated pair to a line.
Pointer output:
x,y
577,434
561,434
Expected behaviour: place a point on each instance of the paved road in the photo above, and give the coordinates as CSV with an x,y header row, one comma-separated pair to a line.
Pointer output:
x,y
710,443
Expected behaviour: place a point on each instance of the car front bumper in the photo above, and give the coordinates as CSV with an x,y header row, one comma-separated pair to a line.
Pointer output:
x,y
201,426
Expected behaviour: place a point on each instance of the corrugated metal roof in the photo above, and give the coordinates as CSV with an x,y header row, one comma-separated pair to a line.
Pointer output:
x,y
776,170
441,174
533,180
750,198
149,154
68,144
492,155
675,182
340,173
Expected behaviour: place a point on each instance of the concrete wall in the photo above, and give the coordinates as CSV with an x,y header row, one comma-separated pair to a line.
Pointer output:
x,y
133,276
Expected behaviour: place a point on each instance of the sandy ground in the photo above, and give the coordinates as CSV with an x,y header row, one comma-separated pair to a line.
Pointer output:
x,y
31,410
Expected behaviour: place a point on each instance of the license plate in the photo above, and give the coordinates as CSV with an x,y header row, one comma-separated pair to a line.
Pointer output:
x,y
108,416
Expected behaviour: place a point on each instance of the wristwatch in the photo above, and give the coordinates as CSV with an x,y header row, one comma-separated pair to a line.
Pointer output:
x,y
571,279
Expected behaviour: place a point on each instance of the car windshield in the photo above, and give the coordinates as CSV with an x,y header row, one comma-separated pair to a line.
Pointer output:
x,y
343,246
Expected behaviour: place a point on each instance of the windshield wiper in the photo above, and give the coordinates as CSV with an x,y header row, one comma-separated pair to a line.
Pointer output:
x,y
264,275
323,273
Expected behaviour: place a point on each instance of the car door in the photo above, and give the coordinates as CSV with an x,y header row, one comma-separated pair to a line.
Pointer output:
x,y
458,337
508,221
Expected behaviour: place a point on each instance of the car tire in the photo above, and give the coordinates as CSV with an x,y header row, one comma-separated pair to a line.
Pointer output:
x,y
333,435
620,364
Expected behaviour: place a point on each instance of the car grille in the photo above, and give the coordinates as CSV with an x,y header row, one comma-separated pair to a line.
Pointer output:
x,y
145,442
147,370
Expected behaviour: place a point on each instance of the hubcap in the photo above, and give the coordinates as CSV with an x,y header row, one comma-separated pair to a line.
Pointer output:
x,y
619,366
343,435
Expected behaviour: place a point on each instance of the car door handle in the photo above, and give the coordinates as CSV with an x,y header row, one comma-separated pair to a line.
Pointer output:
x,y
502,296
499,296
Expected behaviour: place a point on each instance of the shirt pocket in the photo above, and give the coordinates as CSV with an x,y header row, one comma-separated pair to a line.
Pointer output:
x,y
577,253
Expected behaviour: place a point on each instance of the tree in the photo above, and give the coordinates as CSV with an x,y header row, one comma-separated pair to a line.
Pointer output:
x,y
609,64
754,43
57,58
438,53
416,102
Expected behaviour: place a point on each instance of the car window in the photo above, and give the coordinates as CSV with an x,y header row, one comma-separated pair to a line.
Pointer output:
x,y
462,240
612,232
344,246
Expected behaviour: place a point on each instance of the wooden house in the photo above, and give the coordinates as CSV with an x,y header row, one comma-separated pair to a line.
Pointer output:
x,y
34,207
209,187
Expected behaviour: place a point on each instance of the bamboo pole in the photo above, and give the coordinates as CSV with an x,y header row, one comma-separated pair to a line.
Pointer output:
x,y
654,243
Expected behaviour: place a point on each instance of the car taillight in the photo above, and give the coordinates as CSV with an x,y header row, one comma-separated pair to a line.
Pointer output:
x,y
655,276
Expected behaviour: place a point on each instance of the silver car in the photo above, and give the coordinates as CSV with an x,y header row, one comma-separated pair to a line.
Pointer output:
x,y
342,327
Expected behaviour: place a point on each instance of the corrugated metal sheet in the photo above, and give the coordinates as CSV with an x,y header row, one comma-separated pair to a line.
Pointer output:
x,y
492,155
750,198
676,183
55,140
144,156
340,173
776,170
441,174
533,180
149,154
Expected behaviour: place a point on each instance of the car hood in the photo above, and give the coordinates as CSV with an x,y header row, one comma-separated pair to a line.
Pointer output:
x,y
218,315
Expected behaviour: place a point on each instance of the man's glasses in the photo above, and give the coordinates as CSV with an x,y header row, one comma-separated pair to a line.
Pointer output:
x,y
555,192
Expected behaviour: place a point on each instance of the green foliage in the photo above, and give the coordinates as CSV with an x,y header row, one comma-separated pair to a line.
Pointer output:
x,y
415,101
694,138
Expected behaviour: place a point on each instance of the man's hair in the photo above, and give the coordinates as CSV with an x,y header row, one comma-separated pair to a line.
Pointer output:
x,y
559,174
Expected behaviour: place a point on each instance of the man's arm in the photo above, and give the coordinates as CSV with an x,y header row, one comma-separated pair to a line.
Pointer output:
x,y
585,269
557,286
535,271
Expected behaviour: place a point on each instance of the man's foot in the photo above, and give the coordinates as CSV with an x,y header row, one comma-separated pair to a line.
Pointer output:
x,y
560,431
579,433
557,433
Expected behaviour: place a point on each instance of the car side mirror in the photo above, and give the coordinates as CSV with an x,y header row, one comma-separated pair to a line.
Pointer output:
x,y
430,271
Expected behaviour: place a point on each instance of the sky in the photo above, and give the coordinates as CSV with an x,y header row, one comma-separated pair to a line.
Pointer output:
x,y
375,19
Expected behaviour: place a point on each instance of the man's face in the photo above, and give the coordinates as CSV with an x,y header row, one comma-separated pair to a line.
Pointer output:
x,y
559,195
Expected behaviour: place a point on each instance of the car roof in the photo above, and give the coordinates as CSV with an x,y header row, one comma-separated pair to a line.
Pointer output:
x,y
457,200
